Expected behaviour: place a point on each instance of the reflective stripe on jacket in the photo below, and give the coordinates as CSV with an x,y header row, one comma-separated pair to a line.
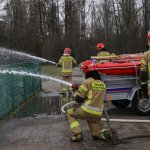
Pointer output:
x,y
92,110
93,91
103,53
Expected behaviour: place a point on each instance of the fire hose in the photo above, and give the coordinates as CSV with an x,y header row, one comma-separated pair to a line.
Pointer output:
x,y
120,140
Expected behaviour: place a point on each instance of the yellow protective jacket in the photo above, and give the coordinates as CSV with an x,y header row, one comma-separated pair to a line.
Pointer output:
x,y
67,62
93,92
103,53
145,70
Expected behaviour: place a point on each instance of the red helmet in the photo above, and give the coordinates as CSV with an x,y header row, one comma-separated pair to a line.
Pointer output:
x,y
67,50
148,36
100,46
87,66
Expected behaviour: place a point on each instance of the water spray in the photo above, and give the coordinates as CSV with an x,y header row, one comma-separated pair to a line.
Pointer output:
x,y
27,55
23,73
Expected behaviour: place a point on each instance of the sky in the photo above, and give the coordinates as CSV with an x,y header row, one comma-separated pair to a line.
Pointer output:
x,y
2,12
3,2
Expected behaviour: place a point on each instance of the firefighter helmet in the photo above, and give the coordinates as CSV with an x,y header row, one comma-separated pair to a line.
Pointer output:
x,y
88,66
67,51
100,46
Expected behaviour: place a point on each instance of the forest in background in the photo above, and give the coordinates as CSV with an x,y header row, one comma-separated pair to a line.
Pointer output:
x,y
45,27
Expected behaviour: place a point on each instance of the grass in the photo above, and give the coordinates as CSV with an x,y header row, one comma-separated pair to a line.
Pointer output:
x,y
50,70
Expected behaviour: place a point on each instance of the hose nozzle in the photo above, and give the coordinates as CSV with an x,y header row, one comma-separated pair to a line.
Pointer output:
x,y
75,86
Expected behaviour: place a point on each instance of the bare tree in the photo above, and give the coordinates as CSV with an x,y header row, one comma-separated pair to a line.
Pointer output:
x,y
45,27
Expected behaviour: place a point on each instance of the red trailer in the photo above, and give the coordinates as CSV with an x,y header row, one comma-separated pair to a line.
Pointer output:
x,y
121,77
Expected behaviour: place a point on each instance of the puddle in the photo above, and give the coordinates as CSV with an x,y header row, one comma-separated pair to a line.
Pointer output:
x,y
47,103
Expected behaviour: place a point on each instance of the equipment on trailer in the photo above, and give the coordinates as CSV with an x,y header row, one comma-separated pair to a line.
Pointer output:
x,y
125,68
121,76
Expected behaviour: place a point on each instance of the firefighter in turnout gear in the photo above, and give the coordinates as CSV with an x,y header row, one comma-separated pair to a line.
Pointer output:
x,y
145,71
103,51
67,62
90,95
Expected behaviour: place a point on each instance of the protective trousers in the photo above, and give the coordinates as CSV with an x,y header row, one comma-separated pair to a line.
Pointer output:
x,y
63,86
94,123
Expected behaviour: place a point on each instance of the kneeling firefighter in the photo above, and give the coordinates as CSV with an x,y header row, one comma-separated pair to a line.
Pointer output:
x,y
91,96
67,62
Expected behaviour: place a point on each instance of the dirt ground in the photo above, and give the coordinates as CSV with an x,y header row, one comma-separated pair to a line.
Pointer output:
x,y
52,132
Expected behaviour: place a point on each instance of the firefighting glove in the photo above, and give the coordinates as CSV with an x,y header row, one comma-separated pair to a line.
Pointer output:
x,y
75,87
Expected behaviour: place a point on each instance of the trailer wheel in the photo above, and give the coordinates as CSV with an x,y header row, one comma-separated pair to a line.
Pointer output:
x,y
121,103
141,105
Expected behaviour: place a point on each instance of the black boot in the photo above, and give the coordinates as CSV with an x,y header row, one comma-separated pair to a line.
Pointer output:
x,y
77,138
104,135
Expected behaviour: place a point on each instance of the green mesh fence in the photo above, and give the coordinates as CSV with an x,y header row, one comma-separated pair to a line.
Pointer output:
x,y
15,89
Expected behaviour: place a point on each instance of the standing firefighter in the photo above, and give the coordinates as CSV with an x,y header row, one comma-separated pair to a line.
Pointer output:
x,y
67,62
90,95
103,50
145,71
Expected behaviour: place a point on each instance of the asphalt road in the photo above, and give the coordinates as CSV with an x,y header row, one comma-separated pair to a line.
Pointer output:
x,y
47,132
52,132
